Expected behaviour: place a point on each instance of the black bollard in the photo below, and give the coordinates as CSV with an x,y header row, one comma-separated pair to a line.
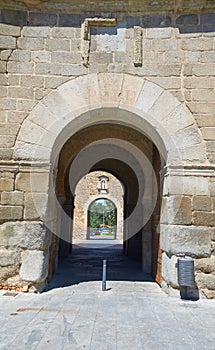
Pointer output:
x,y
104,276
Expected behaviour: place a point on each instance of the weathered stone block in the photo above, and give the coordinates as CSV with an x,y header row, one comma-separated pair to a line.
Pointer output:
x,y
6,184
35,31
3,91
20,67
6,141
15,117
10,213
7,42
25,105
7,272
9,257
9,128
3,80
212,231
34,266
32,81
49,68
74,69
187,185
5,54
31,43
158,33
205,265
189,240
208,133
24,235
65,57
206,69
205,121
12,198
149,94
54,82
207,57
201,203
201,107
205,281
65,32
104,57
177,210
17,92
200,218
21,55
3,67
58,45
169,270
40,56
35,182
29,152
197,44
36,206
9,30
6,153
203,95
212,188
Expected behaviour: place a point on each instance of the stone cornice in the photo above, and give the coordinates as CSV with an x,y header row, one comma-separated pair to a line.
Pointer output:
x,y
189,170
138,7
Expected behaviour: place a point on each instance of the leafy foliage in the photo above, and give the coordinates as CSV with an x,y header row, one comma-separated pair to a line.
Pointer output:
x,y
102,212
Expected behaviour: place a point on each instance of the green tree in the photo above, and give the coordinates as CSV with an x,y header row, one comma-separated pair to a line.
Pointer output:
x,y
102,211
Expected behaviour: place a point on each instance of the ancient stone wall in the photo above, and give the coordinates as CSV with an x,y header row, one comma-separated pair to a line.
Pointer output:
x,y
86,193
40,52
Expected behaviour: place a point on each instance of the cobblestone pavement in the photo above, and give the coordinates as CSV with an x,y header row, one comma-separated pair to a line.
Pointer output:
x,y
132,314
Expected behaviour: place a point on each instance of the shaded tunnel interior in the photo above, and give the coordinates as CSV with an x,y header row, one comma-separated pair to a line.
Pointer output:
x,y
140,247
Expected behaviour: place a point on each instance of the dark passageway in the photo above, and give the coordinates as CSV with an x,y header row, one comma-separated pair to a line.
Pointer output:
x,y
84,264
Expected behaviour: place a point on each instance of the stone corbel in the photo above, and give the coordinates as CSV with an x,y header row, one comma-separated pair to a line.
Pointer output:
x,y
85,34
138,46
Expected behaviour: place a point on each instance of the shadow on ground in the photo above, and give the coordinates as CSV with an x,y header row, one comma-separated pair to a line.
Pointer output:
x,y
84,264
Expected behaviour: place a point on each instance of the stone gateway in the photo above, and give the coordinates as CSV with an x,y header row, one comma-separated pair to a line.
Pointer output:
x,y
124,89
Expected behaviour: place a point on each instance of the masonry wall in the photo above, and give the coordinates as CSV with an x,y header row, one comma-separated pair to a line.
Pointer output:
x,y
41,51
87,192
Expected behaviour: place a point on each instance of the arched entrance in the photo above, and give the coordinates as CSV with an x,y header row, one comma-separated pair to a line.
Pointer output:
x,y
94,186
153,117
102,219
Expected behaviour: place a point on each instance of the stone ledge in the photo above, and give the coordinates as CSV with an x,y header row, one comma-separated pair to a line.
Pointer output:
x,y
131,7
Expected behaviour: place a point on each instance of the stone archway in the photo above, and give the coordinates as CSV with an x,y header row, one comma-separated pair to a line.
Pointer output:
x,y
146,107
86,193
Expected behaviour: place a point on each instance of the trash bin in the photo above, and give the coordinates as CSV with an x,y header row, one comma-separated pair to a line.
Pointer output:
x,y
186,276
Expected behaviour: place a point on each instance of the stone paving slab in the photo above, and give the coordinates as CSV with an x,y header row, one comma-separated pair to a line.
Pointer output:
x,y
69,318
130,314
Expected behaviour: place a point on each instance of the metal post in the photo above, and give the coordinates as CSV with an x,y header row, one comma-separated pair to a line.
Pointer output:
x,y
104,276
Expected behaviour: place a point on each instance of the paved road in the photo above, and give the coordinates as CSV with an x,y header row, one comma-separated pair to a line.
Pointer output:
x,y
132,314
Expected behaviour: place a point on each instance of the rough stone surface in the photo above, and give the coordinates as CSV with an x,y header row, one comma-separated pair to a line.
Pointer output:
x,y
201,203
169,270
8,258
155,60
205,281
24,235
200,218
34,266
190,240
87,192
206,265
177,210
